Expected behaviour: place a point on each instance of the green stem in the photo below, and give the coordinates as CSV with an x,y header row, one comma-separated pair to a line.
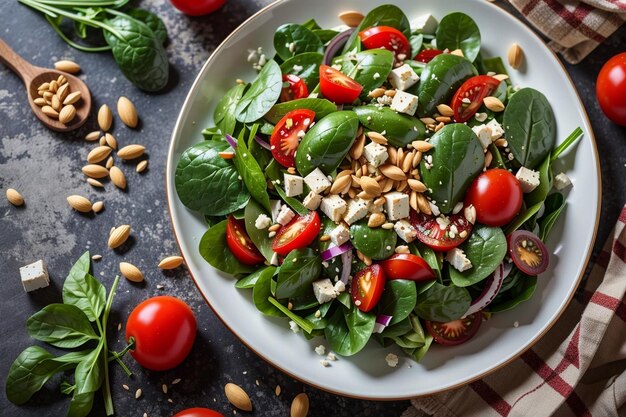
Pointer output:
x,y
84,3
578,132
118,356
73,44
108,398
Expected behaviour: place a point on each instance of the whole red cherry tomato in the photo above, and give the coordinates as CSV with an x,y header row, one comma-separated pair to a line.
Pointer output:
x,y
197,7
611,89
198,412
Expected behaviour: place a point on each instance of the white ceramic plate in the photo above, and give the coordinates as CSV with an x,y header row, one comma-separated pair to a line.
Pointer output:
x,y
367,375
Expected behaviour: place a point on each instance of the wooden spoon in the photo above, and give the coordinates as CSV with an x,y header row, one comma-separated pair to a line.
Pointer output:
x,y
34,76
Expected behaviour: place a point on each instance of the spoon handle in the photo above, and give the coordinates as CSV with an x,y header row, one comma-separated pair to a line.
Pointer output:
x,y
18,64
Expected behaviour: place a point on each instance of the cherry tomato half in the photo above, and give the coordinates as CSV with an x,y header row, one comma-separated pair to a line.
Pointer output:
x,y
164,329
475,90
528,252
611,89
296,89
407,266
197,7
429,231
287,133
496,195
385,37
298,233
240,244
337,86
367,287
454,332
198,412
426,55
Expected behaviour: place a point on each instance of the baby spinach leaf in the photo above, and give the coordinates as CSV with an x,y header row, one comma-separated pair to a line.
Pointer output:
x,y
485,248
213,133
434,260
348,330
416,40
81,404
303,323
554,205
306,66
459,31
293,39
82,290
523,291
385,15
443,303
224,115
153,21
320,106
377,243
250,280
398,299
370,62
261,293
300,268
89,372
258,236
61,325
295,204
400,129
334,266
539,194
251,172
325,35
262,94
208,183
529,126
214,250
496,65
457,158
524,216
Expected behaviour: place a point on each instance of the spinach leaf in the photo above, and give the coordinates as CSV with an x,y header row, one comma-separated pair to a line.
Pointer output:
x,y
443,303
348,330
416,40
295,204
554,205
320,106
303,323
82,290
529,126
251,172
138,52
398,300
523,217
400,129
153,21
495,64
370,62
262,94
377,243
224,115
385,15
539,194
250,280
326,144
81,404
457,158
459,31
434,260
61,325
214,250
213,133
208,183
306,66
89,372
485,248
300,268
258,236
325,35
523,291
261,293
293,39
334,266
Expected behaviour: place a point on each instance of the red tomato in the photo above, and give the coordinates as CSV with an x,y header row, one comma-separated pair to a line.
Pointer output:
x,y
337,86
407,266
611,89
386,37
496,195
198,412
475,89
164,329
297,88
296,234
197,7
287,133
427,55
240,244
454,332
367,287
429,231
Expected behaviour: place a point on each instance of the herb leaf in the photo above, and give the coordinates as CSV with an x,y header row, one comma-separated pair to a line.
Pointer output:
x,y
250,171
61,325
300,268
214,250
348,330
443,303
459,31
82,290
303,40
261,95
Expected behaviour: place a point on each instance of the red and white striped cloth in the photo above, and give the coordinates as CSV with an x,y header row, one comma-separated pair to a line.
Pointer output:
x,y
577,369
574,27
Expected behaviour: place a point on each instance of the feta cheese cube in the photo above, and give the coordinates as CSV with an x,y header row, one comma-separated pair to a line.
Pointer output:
x,y
320,350
262,222
339,287
426,24
392,360
317,181
397,205
405,230
324,290
404,103
562,181
333,206
528,179
34,276
375,153
293,326
403,77
484,134
312,201
285,215
496,129
274,260
456,257
275,207
293,185
357,209
340,235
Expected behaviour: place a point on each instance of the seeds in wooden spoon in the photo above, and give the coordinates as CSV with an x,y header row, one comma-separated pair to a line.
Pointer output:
x,y
56,103
67,66
72,98
131,272
67,114
14,197
79,203
127,112
40,101
105,118
63,91
50,112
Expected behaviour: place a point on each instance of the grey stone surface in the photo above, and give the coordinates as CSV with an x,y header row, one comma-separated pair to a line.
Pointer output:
x,y
45,167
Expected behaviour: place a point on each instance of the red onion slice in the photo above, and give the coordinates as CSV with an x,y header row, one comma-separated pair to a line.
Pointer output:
x,y
382,321
335,45
492,286
261,142
231,140
346,259
333,251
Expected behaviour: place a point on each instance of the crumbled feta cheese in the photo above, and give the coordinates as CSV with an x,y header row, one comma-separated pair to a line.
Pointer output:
x,y
294,326
339,287
481,117
34,276
324,290
324,363
496,129
320,350
331,356
405,230
483,132
403,77
457,207
562,181
528,179
340,234
312,201
433,208
317,181
285,215
397,205
274,260
357,209
426,24
392,360
297,68
275,208
457,258
404,103
334,207
262,222
470,214
293,185
376,75
375,153
443,222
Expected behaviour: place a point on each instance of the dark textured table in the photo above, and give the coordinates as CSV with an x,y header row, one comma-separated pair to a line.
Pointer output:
x,y
45,168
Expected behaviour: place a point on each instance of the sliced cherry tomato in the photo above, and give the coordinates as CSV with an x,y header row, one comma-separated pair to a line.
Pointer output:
x,y
528,252
337,86
430,233
407,266
386,37
367,287
198,412
454,332
611,89
197,7
240,244
298,233
163,329
496,195
426,55
296,89
287,133
475,90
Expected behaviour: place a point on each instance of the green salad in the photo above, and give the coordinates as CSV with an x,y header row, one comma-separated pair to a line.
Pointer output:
x,y
386,181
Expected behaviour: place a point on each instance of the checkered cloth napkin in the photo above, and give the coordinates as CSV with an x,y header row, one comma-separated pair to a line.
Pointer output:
x,y
577,369
574,27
